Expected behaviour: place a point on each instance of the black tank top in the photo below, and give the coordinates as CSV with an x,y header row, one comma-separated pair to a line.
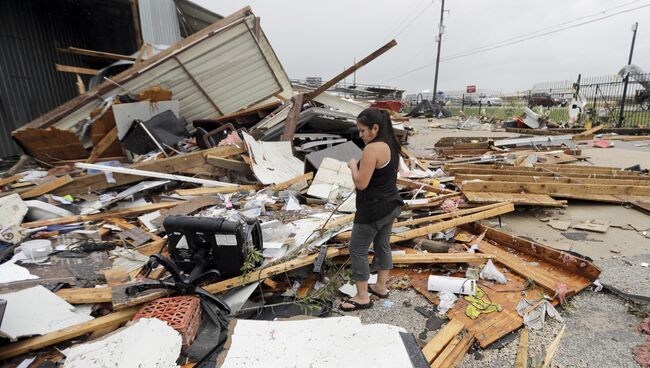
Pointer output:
x,y
380,196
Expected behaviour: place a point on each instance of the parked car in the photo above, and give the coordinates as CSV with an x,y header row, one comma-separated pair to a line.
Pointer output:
x,y
490,101
642,97
543,99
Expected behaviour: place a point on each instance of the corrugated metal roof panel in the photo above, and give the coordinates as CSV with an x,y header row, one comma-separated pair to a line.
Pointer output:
x,y
159,22
229,66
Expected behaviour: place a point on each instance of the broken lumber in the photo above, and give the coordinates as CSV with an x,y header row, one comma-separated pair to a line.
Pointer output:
x,y
228,164
522,351
97,182
153,174
97,54
325,86
102,146
75,69
100,216
46,187
474,214
441,339
440,258
258,275
217,190
286,184
85,295
39,342
552,348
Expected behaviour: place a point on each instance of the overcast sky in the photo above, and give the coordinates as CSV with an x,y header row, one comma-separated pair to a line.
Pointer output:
x,y
321,38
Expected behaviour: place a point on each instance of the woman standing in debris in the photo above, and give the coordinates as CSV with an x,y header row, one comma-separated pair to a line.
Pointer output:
x,y
378,205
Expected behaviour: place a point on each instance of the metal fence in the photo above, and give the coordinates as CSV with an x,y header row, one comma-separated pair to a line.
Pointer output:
x,y
603,97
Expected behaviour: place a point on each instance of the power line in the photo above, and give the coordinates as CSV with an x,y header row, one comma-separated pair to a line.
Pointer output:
x,y
408,15
414,19
546,28
429,64
546,33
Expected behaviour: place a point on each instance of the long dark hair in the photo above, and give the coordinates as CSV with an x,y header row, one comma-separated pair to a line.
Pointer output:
x,y
381,117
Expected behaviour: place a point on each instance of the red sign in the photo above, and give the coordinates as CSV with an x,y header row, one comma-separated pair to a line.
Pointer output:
x,y
471,88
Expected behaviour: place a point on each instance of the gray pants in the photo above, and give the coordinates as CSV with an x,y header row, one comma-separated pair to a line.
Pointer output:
x,y
378,233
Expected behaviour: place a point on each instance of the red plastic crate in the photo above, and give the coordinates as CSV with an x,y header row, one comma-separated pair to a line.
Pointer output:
x,y
182,313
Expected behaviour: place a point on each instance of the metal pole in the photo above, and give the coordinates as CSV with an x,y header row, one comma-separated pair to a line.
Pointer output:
x,y
621,116
440,30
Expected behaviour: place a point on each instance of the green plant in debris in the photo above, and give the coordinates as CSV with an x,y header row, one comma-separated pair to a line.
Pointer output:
x,y
252,258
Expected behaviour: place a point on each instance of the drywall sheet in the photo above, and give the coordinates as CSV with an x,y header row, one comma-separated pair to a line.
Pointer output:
x,y
37,311
317,343
148,343
333,180
273,162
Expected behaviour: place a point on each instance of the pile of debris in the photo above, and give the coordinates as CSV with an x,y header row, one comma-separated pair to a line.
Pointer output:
x,y
158,237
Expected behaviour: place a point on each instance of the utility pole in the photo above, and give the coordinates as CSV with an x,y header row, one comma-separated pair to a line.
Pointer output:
x,y
626,79
441,30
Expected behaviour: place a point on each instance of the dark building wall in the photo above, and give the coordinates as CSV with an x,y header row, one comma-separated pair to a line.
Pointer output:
x,y
30,33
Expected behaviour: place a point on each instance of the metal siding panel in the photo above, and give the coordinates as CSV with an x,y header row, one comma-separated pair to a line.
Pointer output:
x,y
159,22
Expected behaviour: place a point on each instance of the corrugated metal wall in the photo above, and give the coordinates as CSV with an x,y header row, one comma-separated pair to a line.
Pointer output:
x,y
159,22
30,33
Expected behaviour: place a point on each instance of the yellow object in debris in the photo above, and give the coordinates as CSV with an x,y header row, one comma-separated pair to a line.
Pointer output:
x,y
480,303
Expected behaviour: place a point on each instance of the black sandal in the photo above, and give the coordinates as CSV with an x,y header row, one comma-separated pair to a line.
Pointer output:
x,y
356,306
380,296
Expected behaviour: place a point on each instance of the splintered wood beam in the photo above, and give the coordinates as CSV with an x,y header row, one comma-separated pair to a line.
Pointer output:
x,y
441,339
46,187
464,217
440,226
85,295
255,276
217,190
522,351
351,70
286,184
577,191
75,69
228,164
39,342
100,216
422,186
292,118
102,146
441,258
459,178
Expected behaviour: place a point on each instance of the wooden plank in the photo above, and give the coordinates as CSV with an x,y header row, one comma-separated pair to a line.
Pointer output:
x,y
46,187
254,276
542,173
446,352
522,350
228,164
97,182
462,217
422,186
325,86
11,179
412,234
100,216
458,352
116,276
135,16
589,134
98,54
103,145
217,190
75,69
550,351
292,118
85,295
578,191
441,339
445,216
440,258
550,179
286,184
515,198
39,342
